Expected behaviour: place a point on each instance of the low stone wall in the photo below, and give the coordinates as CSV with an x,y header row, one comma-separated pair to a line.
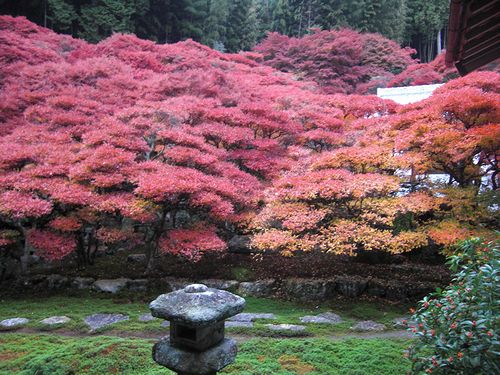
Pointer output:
x,y
302,289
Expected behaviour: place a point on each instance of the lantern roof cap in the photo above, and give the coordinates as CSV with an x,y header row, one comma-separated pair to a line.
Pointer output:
x,y
197,305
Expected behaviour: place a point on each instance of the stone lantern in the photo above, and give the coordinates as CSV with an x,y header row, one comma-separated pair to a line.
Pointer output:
x,y
196,345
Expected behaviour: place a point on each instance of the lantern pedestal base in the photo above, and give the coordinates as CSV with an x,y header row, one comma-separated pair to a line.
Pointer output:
x,y
187,362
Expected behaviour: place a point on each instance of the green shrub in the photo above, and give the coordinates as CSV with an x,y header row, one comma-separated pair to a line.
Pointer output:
x,y
458,326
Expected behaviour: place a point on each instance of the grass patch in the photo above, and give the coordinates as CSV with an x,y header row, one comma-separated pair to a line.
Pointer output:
x,y
242,273
77,308
82,304
55,355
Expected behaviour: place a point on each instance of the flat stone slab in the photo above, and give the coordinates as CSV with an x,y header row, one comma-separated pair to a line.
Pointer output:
x,y
82,282
324,318
229,324
197,305
110,286
250,317
13,323
147,317
369,326
55,320
331,316
286,327
137,285
97,321
191,362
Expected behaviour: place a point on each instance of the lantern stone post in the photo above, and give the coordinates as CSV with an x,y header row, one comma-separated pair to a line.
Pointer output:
x,y
196,345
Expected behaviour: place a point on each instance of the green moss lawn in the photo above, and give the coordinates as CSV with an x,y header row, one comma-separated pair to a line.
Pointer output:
x,y
46,354
82,304
125,347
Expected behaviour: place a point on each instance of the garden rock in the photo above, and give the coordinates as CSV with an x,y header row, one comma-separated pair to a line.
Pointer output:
x,y
350,287
110,286
147,317
136,258
55,320
138,285
165,323
57,281
229,324
221,284
369,326
331,316
13,323
239,245
260,288
82,282
286,327
375,288
325,318
97,321
174,284
250,317
309,289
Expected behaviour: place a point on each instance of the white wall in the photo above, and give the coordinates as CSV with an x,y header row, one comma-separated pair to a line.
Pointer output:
x,y
405,95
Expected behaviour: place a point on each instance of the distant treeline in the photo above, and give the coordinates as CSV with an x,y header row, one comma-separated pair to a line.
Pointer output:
x,y
233,25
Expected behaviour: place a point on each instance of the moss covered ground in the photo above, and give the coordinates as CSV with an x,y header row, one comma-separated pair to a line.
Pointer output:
x,y
47,354
70,349
82,304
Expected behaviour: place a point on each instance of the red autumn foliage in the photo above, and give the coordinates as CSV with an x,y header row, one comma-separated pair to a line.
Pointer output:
x,y
128,129
342,61
430,73
174,148
51,245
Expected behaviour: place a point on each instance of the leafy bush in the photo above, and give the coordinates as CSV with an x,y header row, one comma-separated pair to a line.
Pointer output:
x,y
458,326
340,61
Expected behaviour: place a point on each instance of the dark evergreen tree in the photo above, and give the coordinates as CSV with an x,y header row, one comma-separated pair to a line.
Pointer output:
x,y
283,18
384,16
155,24
216,24
264,11
61,15
233,25
101,18
241,25
425,22
192,18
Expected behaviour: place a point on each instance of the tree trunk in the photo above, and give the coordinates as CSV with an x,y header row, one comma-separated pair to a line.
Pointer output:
x,y
152,247
494,182
413,179
439,47
26,254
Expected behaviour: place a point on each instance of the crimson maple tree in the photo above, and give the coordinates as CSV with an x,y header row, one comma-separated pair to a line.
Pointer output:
x,y
174,148
340,61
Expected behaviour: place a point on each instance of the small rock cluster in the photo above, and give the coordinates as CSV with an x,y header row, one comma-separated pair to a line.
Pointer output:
x,y
291,288
15,323
97,321
324,318
241,320
369,326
